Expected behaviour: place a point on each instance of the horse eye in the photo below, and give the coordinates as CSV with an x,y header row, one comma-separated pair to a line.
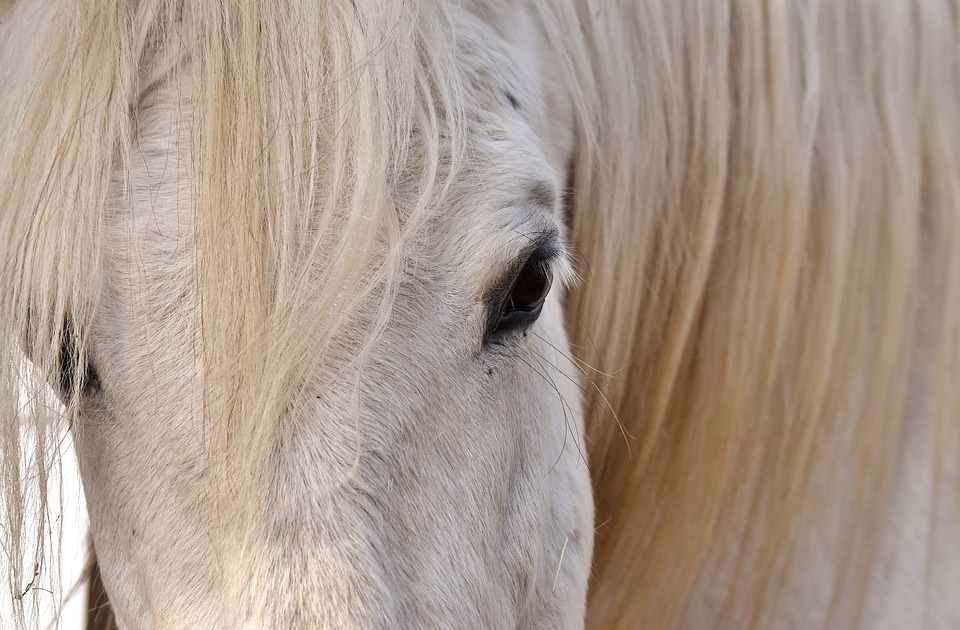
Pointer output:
x,y
524,300
529,289
72,368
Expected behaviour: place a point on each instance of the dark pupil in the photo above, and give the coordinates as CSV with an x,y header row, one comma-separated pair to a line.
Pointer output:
x,y
530,289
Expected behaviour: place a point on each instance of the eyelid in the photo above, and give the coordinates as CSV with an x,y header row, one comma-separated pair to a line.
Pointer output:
x,y
553,253
546,249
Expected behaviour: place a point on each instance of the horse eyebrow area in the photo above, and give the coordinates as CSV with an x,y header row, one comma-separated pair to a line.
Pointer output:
x,y
542,194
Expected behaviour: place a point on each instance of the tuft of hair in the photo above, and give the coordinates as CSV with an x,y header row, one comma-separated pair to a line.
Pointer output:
x,y
56,156
767,199
302,137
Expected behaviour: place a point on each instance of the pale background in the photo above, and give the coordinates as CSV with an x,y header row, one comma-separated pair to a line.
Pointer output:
x,y
72,522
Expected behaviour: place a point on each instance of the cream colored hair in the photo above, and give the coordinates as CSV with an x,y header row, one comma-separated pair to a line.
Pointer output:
x,y
765,202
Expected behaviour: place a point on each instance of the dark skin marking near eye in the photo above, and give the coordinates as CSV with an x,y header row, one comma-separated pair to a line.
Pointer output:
x,y
514,103
70,369
542,194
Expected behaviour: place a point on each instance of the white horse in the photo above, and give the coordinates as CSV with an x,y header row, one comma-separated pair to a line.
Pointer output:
x,y
299,278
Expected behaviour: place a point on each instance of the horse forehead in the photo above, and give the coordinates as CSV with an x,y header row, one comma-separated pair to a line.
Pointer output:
x,y
507,167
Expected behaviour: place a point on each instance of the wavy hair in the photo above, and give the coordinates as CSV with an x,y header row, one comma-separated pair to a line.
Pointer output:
x,y
766,197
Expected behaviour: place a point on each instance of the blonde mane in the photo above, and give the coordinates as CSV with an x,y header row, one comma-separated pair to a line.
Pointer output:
x,y
765,204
